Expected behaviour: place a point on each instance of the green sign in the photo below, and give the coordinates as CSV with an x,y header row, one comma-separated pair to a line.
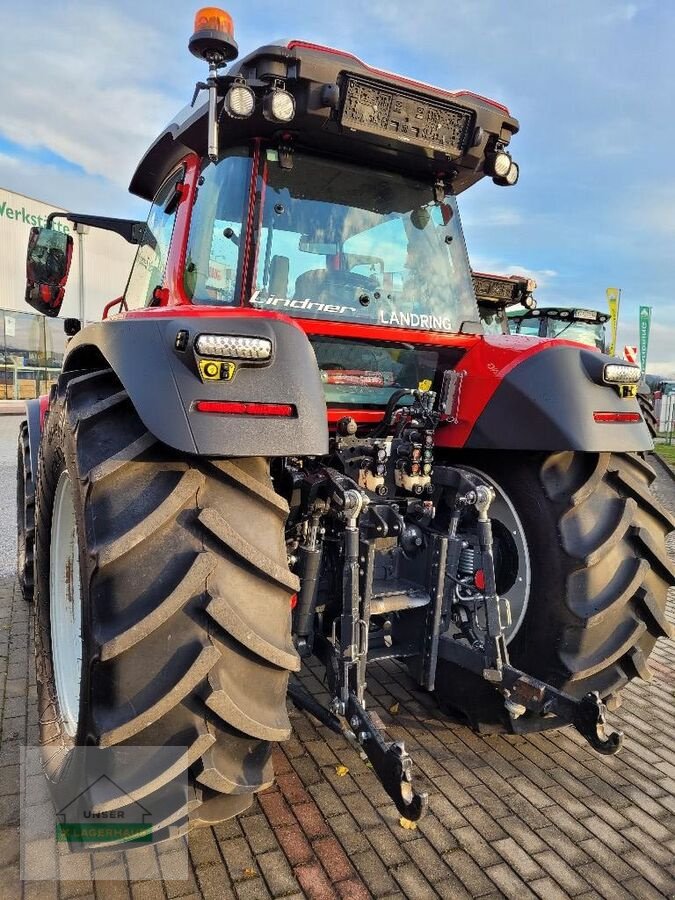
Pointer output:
x,y
645,321
103,832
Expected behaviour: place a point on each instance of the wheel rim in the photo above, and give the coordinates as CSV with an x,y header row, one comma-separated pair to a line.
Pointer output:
x,y
65,605
503,513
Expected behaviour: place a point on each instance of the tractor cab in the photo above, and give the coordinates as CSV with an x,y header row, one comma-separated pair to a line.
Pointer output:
x,y
327,193
309,185
585,326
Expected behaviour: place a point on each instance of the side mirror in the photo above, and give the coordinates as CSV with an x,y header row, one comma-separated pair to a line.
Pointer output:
x,y
47,266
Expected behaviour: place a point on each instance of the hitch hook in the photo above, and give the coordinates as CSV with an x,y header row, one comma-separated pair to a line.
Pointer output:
x,y
591,722
396,774
390,760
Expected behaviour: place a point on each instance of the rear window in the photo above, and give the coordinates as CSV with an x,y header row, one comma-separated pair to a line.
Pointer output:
x,y
362,373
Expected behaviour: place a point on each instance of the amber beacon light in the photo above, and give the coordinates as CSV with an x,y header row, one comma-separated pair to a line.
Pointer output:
x,y
213,37
213,41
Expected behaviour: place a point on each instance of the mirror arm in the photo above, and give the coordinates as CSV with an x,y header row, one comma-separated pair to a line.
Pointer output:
x,y
131,230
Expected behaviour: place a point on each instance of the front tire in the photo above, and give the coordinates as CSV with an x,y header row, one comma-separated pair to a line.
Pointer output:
x,y
600,575
185,609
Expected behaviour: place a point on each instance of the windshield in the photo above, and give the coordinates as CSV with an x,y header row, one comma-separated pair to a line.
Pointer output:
x,y
520,324
353,244
591,333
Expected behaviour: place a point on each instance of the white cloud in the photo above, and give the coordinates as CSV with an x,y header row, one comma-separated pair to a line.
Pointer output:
x,y
84,89
68,189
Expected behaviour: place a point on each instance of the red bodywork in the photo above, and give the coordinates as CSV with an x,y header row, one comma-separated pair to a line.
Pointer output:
x,y
486,359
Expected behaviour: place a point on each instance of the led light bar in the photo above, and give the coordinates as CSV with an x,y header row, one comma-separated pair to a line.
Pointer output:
x,y
619,373
233,346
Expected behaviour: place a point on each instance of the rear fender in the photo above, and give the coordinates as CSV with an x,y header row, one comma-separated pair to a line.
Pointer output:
x,y
530,394
164,384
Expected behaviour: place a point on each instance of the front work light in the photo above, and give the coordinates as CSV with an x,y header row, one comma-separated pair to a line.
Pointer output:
x,y
239,101
233,346
278,105
619,373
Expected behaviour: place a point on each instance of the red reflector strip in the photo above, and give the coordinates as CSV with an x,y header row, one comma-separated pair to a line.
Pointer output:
x,y
620,417
294,601
231,408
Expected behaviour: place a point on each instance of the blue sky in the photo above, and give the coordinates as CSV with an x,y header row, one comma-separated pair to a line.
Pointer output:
x,y
87,87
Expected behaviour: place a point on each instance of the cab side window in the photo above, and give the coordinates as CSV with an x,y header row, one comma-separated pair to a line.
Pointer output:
x,y
147,272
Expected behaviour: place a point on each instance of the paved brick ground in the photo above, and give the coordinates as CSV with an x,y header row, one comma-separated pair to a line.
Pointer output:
x,y
509,817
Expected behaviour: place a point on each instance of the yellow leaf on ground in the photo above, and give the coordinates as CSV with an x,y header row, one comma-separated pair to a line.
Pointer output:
x,y
250,873
341,771
407,824
393,709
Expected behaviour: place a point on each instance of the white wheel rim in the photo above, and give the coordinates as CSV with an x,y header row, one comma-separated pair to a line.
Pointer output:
x,y
65,605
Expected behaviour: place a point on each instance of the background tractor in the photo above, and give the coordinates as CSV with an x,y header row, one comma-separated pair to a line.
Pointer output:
x,y
292,436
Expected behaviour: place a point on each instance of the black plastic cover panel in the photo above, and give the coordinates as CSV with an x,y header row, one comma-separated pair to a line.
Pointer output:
x,y
547,403
164,383
375,108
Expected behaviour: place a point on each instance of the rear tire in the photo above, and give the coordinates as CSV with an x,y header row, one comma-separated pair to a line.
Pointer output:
x,y
25,515
185,594
600,579
647,409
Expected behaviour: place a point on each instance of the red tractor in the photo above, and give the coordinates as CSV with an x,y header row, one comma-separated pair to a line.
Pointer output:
x,y
291,436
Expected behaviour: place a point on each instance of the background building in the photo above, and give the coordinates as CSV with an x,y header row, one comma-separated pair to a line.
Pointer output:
x,y
31,346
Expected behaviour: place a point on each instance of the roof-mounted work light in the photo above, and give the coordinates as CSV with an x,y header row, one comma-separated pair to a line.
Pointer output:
x,y
510,178
501,167
240,100
497,164
213,41
278,104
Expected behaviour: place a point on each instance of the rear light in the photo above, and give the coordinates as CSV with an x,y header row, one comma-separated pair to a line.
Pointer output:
x,y
617,417
233,408
620,373
233,346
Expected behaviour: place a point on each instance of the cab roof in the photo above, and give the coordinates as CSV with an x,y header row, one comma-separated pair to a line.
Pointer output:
x,y
346,109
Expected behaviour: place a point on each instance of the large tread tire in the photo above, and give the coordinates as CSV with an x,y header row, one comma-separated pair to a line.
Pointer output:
x,y
186,608
25,515
600,579
647,409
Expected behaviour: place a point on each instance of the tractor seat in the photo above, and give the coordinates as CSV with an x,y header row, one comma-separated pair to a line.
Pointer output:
x,y
332,286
